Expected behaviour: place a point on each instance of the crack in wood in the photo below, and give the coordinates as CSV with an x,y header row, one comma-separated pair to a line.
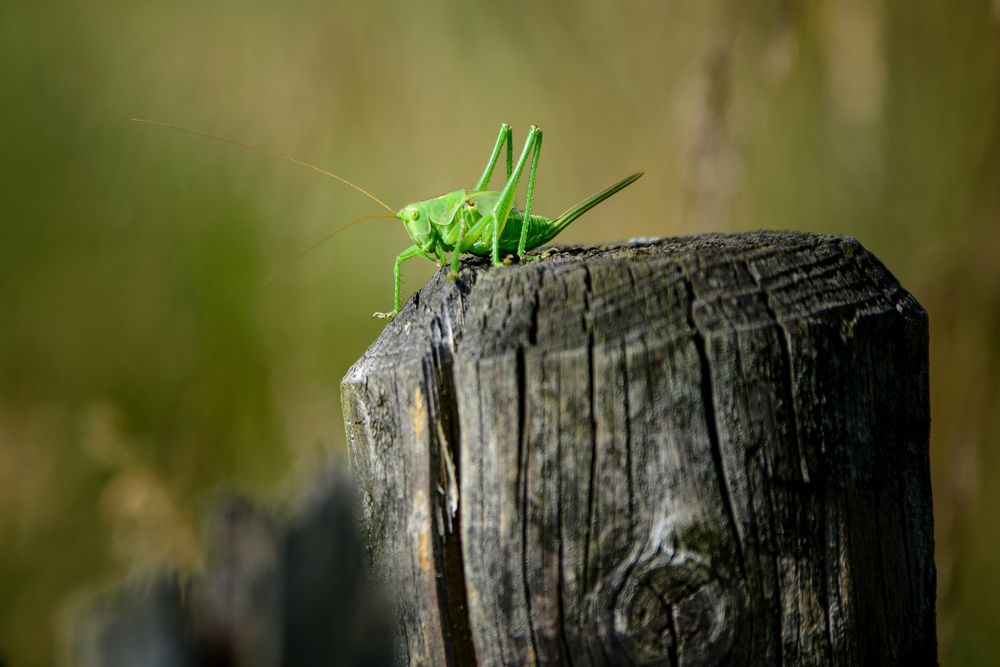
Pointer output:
x,y
708,400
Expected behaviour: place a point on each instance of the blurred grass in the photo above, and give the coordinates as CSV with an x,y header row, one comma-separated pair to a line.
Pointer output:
x,y
142,365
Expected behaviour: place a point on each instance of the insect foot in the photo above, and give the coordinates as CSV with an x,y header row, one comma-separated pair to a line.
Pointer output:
x,y
452,276
386,316
508,260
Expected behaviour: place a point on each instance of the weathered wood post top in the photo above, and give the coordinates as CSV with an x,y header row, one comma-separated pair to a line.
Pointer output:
x,y
697,451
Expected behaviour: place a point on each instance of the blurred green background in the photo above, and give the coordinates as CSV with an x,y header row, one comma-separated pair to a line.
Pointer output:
x,y
143,367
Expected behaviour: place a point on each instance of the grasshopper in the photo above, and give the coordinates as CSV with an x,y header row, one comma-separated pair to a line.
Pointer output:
x,y
484,222
478,221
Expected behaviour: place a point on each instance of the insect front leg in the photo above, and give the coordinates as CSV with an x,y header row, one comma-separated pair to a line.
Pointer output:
x,y
505,137
501,210
412,251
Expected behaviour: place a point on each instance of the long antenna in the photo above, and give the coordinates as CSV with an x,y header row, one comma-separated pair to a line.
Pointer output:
x,y
323,240
280,156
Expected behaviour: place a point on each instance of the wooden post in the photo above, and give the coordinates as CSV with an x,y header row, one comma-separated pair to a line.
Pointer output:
x,y
710,450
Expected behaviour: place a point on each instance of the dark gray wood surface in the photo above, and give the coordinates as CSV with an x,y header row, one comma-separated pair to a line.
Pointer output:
x,y
708,450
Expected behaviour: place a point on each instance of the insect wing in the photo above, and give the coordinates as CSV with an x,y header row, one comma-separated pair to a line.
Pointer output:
x,y
442,210
484,201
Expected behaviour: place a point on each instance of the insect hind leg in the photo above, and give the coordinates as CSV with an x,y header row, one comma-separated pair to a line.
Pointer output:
x,y
504,137
529,197
501,210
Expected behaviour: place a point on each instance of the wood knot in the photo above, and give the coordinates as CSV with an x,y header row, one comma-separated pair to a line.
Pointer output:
x,y
673,609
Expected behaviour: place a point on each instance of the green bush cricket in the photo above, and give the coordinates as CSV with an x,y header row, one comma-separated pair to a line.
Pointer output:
x,y
477,221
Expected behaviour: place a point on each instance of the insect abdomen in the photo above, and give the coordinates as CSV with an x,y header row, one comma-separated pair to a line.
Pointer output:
x,y
539,232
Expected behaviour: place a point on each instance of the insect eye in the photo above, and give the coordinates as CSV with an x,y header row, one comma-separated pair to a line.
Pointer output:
x,y
414,214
